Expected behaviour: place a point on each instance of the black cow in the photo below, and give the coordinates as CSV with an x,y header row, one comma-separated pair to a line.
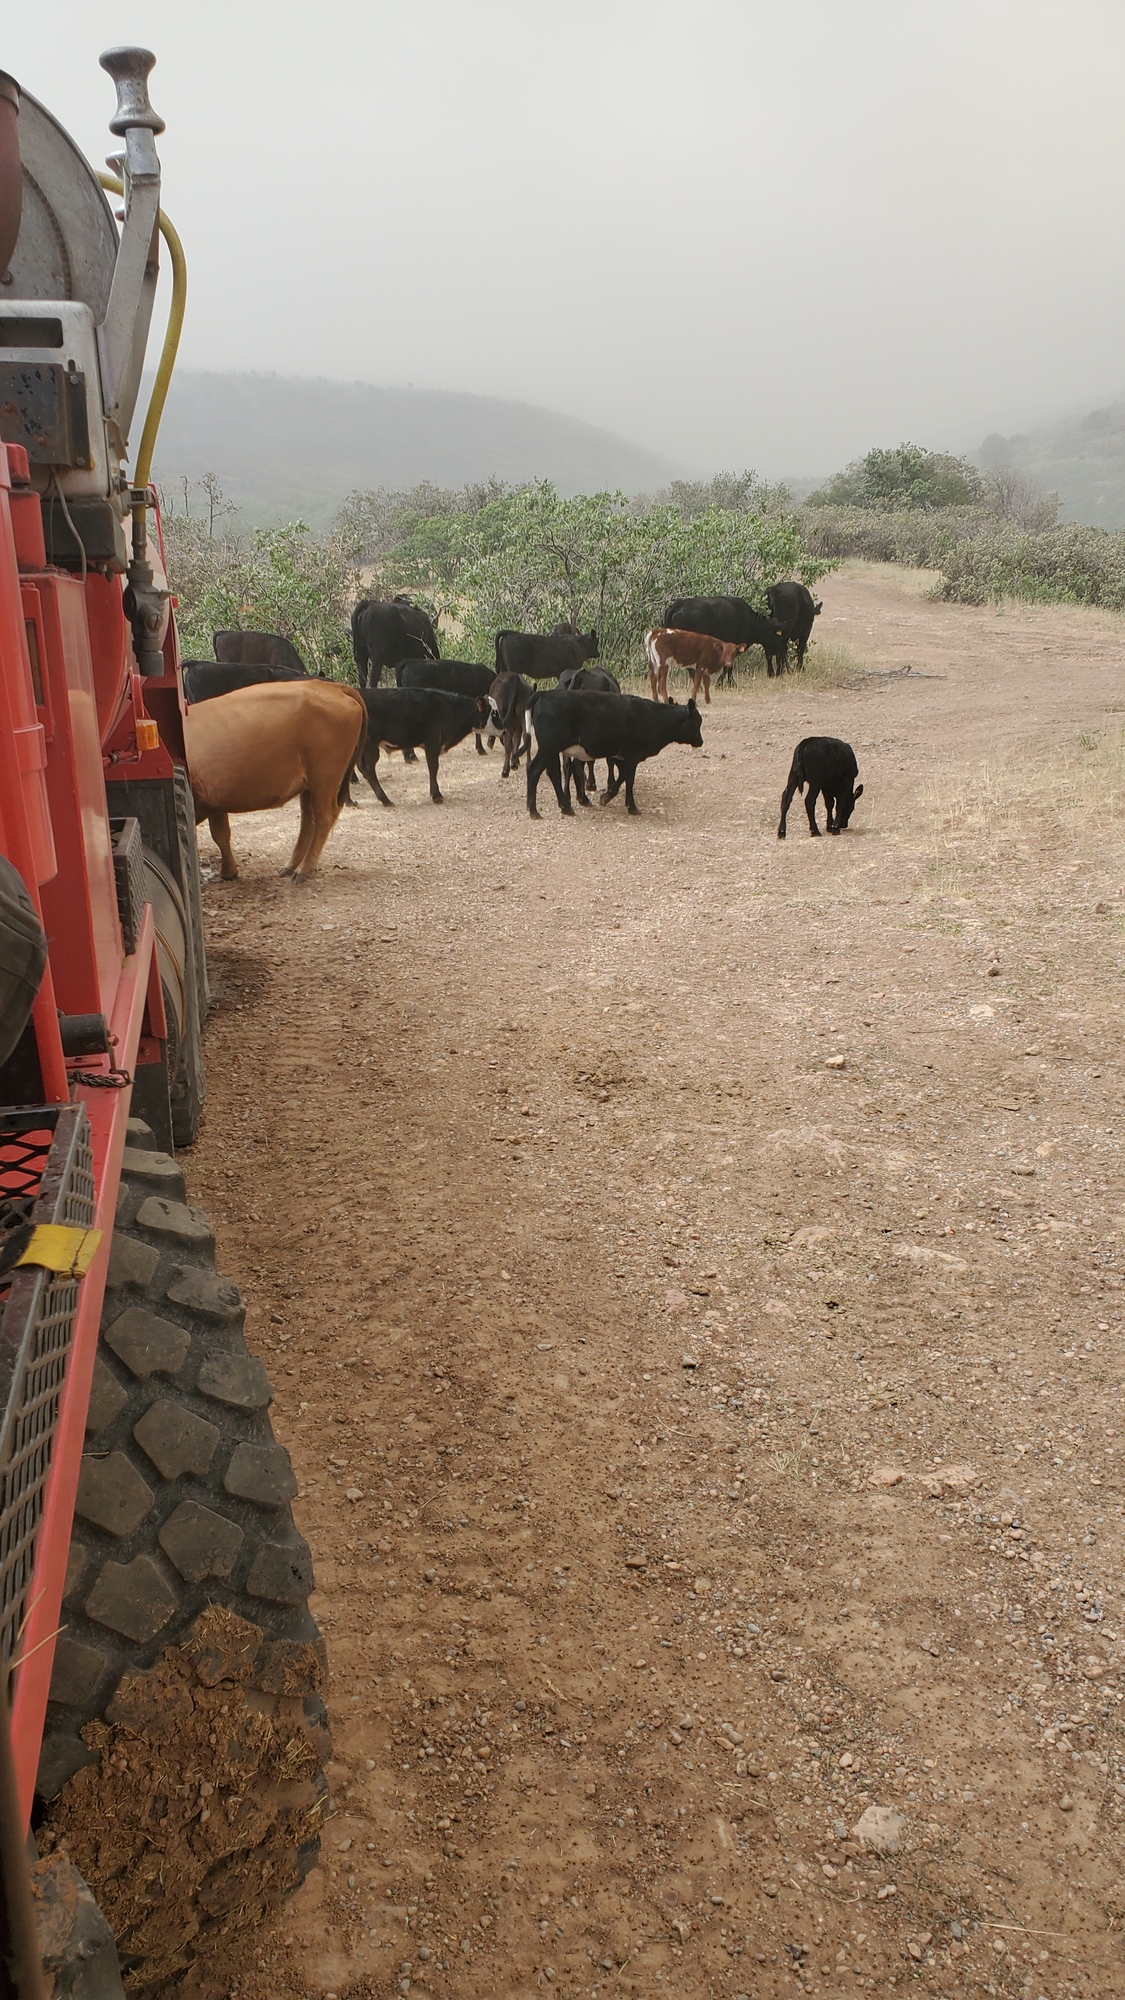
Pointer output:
x,y
453,676
827,766
383,635
588,680
508,697
730,618
793,606
543,656
205,679
404,718
619,727
256,649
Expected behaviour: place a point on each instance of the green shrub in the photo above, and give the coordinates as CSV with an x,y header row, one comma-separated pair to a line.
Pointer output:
x,y
1065,565
283,580
531,559
905,477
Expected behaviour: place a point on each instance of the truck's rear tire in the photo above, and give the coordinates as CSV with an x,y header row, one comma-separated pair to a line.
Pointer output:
x,y
182,1764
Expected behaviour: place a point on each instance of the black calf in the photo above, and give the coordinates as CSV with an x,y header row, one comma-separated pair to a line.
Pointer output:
x,y
827,766
403,718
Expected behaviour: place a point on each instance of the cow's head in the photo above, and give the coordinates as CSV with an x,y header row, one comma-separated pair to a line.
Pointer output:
x,y
690,727
845,806
589,644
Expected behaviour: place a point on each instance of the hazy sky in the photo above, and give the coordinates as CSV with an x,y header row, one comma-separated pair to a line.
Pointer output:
x,y
743,232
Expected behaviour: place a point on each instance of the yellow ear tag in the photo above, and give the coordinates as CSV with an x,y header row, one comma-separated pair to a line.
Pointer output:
x,y
54,1247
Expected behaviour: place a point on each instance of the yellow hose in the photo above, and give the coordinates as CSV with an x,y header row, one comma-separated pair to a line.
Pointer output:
x,y
143,465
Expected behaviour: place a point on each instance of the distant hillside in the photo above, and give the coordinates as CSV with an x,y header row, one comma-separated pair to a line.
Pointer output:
x,y
1082,459
283,447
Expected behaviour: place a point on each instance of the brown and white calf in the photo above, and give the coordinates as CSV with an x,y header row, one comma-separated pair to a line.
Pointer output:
x,y
699,654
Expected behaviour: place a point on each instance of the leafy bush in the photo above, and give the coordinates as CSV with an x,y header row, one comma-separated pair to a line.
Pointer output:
x,y
913,537
1065,565
489,556
278,580
531,560
905,477
732,492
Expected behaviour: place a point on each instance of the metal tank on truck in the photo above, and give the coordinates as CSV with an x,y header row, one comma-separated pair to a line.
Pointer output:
x,y
162,1668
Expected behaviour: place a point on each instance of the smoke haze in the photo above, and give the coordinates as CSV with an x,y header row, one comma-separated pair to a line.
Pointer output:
x,y
767,232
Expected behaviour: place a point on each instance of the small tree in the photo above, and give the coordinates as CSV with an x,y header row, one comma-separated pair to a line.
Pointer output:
x,y
279,580
905,476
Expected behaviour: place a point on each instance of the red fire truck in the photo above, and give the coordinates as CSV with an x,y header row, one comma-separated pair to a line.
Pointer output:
x,y
162,1669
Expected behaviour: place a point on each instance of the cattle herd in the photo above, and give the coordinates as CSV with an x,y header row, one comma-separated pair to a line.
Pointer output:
x,y
261,731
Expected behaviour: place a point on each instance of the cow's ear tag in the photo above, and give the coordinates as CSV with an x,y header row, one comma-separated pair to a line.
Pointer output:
x,y
858,791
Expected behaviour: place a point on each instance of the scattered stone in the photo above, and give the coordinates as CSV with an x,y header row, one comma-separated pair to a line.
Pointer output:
x,y
769,1888
635,1562
836,1062
886,1475
1066,1803
675,1301
882,1829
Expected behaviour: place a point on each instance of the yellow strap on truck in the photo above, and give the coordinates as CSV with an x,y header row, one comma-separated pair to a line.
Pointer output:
x,y
54,1247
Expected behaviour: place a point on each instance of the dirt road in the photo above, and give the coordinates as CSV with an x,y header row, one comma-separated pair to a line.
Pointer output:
x,y
690,1270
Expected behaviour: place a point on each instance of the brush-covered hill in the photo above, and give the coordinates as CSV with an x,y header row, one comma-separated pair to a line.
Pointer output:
x,y
1082,459
284,447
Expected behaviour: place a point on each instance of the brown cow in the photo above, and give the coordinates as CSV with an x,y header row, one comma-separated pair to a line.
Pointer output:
x,y
261,746
702,656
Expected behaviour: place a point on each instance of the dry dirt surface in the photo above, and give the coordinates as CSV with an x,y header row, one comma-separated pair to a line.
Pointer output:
x,y
690,1269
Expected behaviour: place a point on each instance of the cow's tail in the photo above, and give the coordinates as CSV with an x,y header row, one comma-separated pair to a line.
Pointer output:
x,y
359,643
650,647
344,795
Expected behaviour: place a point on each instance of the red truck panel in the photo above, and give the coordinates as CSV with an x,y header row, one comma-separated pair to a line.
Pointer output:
x,y
80,904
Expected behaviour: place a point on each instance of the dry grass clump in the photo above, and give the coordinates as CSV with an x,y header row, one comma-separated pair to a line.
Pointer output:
x,y
1068,786
1049,811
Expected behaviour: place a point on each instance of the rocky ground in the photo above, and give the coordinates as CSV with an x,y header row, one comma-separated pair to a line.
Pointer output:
x,y
691,1273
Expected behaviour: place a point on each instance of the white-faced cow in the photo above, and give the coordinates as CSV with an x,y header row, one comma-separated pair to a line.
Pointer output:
x,y
699,654
730,618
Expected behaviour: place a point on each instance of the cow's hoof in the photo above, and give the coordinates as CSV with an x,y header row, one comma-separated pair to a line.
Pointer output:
x,y
814,833
436,799
532,814
781,833
231,874
568,812
281,871
635,810
299,880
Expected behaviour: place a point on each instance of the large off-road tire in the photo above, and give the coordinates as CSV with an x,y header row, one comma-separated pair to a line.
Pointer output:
x,y
182,1764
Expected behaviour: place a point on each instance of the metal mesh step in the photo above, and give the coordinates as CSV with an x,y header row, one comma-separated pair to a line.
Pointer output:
x,y
46,1175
